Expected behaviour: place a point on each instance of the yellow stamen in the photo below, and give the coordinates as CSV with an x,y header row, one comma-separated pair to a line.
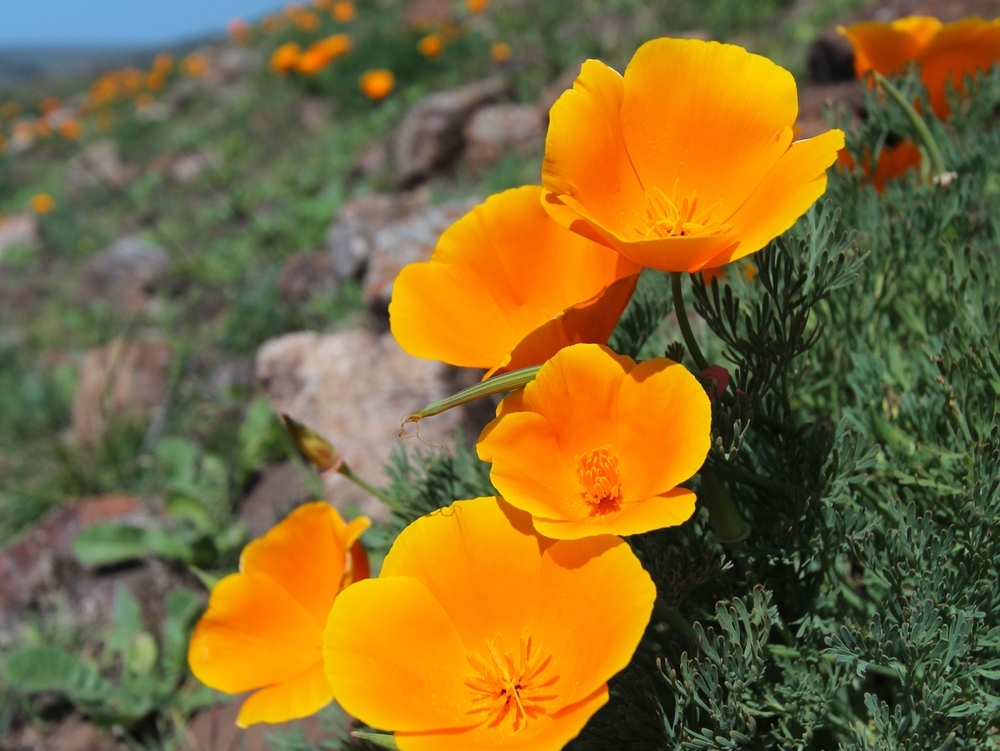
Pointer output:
x,y
598,473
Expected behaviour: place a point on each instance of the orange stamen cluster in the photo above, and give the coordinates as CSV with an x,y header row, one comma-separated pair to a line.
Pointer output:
x,y
511,690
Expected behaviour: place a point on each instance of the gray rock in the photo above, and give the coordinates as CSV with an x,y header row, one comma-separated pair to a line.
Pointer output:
x,y
430,136
354,387
17,231
499,129
405,241
123,274
352,235
98,164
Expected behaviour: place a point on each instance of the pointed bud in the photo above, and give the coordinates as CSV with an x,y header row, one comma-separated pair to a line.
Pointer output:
x,y
313,446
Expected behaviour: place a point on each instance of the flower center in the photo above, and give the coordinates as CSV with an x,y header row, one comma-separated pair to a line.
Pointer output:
x,y
510,688
676,216
598,473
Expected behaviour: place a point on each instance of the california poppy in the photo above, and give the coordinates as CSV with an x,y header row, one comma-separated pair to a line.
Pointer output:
x,y
194,65
343,11
239,30
481,634
507,288
946,53
597,444
377,84
687,160
285,57
430,46
893,161
477,6
42,203
500,52
263,629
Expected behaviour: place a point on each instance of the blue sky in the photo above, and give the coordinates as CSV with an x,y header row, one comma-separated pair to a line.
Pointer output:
x,y
118,22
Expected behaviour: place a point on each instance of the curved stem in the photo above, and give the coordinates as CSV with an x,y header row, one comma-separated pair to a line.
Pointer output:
x,y
937,160
495,385
367,486
682,321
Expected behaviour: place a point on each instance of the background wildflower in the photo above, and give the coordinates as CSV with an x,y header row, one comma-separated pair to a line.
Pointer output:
x,y
42,203
343,11
500,52
194,66
598,445
893,162
507,287
263,628
430,46
377,84
946,53
477,6
712,178
285,57
479,634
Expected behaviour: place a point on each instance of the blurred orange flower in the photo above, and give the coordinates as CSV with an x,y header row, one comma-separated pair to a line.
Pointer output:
x,y
163,63
49,104
323,5
10,110
430,46
477,6
305,20
377,84
24,132
285,57
271,24
144,101
130,79
343,12
156,80
3,143
893,162
239,30
507,288
42,203
709,179
263,630
500,52
70,130
597,444
480,634
43,128
322,53
194,66
946,53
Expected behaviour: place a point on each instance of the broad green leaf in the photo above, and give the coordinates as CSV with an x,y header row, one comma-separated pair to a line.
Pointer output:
x,y
104,544
51,669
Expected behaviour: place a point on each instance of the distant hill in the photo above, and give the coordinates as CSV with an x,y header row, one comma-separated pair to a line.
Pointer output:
x,y
25,64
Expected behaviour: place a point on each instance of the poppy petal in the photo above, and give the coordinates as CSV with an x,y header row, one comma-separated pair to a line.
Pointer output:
x,y
543,733
305,555
585,154
668,509
793,185
503,272
886,47
723,120
958,49
298,697
580,622
667,435
505,554
253,634
408,649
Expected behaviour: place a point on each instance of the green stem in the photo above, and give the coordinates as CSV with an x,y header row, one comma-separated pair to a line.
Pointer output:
x,y
682,321
678,623
729,526
937,160
496,385
367,486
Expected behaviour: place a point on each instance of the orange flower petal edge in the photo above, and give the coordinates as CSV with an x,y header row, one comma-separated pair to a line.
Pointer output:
x,y
507,288
481,634
893,162
946,53
597,444
667,186
263,628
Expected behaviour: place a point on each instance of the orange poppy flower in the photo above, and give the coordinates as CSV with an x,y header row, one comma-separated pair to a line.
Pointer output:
x,y
43,128
305,20
263,630
70,130
343,12
163,63
194,66
239,30
377,84
322,53
507,288
42,203
893,162
944,52
597,444
477,6
48,104
500,52
480,634
430,46
285,57
699,179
